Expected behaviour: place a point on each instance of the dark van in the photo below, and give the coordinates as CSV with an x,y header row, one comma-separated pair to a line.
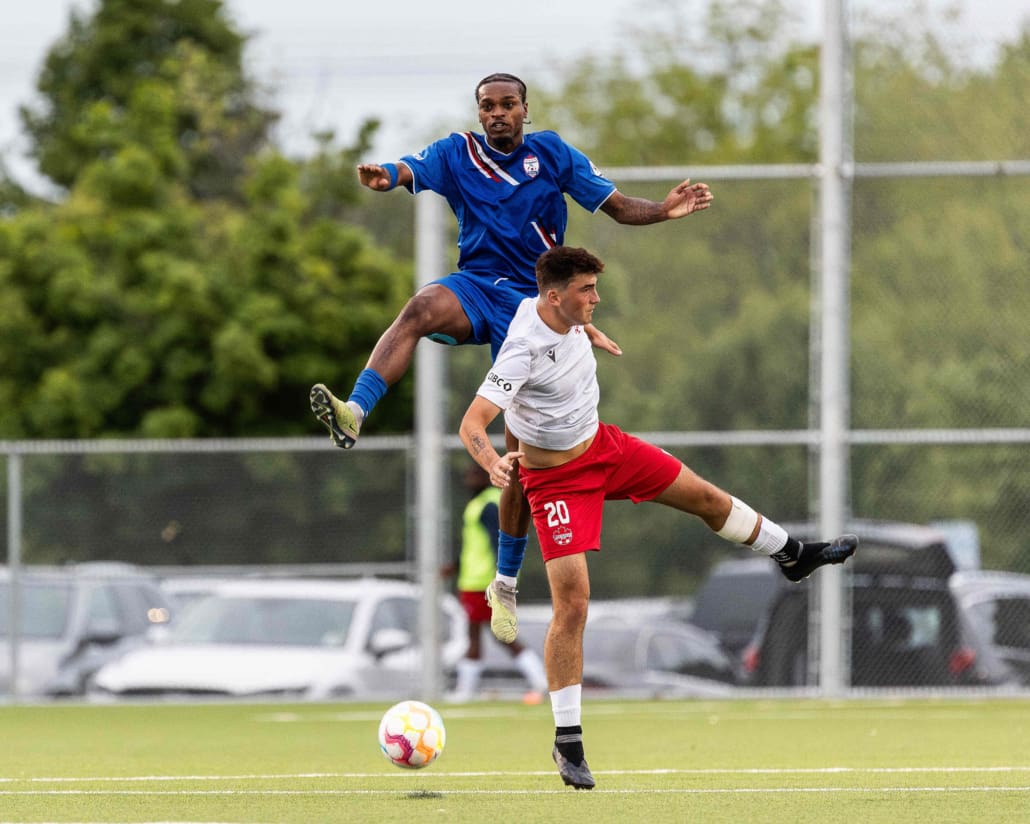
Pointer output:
x,y
906,626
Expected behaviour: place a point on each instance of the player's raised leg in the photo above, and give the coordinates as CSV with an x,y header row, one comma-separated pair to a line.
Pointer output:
x,y
734,520
433,311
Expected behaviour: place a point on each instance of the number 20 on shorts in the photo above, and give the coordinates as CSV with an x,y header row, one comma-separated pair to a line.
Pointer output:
x,y
557,513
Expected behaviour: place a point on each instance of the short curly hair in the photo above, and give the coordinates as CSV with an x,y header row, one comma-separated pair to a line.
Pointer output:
x,y
501,77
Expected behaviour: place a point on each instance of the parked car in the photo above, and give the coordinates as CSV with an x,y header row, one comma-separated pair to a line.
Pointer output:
x,y
74,619
184,590
907,627
733,598
629,647
304,639
998,606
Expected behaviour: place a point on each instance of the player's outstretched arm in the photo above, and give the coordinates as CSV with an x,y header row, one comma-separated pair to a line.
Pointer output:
x,y
379,178
473,434
684,199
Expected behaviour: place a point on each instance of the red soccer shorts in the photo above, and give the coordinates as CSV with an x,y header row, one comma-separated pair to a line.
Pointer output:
x,y
476,607
567,501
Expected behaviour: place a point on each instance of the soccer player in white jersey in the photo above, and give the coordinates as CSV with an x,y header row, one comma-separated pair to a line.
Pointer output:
x,y
507,190
569,463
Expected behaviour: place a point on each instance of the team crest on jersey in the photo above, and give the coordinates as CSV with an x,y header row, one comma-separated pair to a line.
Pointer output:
x,y
531,165
562,536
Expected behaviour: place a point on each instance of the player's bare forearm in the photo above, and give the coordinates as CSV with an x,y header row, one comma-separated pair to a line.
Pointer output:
x,y
473,434
635,211
477,442
500,468
684,199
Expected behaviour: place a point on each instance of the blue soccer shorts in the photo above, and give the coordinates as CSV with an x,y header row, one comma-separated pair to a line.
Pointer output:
x,y
489,303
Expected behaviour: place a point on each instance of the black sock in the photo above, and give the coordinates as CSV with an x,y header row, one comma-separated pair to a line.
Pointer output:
x,y
569,741
790,553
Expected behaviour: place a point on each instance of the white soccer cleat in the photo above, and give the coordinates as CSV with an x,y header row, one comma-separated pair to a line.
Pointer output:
x,y
504,623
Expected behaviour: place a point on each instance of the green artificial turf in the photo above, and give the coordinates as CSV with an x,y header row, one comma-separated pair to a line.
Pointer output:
x,y
868,761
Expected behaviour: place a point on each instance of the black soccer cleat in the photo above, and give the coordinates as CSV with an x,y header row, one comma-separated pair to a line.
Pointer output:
x,y
574,775
813,556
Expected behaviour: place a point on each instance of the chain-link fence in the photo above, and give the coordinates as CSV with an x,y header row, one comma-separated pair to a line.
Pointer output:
x,y
718,316
302,505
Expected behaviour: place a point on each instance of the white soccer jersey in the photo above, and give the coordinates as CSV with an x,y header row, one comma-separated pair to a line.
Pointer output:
x,y
545,382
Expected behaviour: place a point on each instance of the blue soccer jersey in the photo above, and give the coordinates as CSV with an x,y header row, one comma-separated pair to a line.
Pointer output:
x,y
510,207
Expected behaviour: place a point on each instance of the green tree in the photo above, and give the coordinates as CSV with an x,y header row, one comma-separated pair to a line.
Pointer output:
x,y
133,309
193,282
713,314
105,80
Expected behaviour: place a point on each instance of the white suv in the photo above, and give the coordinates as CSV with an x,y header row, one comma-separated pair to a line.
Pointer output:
x,y
296,638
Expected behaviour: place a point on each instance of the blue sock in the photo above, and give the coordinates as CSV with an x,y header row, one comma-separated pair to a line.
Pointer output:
x,y
368,390
510,552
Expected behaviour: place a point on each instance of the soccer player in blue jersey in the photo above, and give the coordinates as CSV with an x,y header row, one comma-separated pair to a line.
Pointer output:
x,y
507,190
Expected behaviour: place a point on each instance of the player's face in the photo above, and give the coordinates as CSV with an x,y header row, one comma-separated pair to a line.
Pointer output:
x,y
577,301
501,113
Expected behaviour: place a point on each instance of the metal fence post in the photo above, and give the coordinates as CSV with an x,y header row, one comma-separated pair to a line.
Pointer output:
x,y
14,510
430,393
835,189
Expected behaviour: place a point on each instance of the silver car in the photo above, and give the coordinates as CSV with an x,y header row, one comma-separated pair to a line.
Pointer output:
x,y
72,620
290,638
998,606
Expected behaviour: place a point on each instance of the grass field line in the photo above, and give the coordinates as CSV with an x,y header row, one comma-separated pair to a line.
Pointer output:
x,y
708,712
526,792
439,774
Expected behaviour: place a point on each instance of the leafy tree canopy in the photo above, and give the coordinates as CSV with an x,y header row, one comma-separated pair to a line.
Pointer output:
x,y
193,281
183,59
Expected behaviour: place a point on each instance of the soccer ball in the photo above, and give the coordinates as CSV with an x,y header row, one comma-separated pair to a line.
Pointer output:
x,y
411,734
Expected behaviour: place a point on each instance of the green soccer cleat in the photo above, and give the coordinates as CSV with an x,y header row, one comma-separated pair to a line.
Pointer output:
x,y
339,417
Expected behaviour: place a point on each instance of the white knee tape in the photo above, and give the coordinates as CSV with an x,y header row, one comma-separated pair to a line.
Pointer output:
x,y
740,523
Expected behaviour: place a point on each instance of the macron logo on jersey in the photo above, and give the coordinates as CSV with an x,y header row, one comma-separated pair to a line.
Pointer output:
x,y
550,356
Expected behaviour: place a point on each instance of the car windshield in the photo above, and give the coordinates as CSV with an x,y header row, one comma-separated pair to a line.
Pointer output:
x,y
728,603
45,606
302,622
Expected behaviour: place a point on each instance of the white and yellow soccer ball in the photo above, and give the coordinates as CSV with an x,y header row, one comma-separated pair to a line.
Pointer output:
x,y
411,734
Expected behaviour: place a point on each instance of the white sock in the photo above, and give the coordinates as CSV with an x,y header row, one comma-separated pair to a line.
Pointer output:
x,y
532,669
509,580
468,670
359,413
566,706
771,537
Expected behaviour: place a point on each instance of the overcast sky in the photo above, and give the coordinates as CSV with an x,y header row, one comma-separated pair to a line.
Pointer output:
x,y
413,64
